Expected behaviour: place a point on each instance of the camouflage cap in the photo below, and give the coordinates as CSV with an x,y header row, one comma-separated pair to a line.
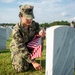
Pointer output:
x,y
27,11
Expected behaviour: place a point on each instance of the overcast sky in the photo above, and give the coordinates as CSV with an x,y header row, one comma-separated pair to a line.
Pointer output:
x,y
45,11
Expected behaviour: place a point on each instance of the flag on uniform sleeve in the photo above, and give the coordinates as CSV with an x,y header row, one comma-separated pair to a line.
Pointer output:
x,y
36,44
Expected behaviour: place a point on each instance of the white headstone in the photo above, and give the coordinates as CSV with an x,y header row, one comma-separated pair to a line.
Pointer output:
x,y
60,48
8,32
2,38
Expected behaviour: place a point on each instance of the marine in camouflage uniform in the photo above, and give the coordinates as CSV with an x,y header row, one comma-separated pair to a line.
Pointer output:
x,y
20,54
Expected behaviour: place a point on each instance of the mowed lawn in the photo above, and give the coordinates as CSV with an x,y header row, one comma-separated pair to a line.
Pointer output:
x,y
6,67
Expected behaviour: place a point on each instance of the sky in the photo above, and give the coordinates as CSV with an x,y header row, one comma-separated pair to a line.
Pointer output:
x,y
45,11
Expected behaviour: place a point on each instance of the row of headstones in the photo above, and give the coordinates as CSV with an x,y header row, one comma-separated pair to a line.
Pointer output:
x,y
4,36
60,50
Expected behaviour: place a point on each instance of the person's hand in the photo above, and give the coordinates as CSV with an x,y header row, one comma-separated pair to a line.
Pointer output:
x,y
42,33
36,65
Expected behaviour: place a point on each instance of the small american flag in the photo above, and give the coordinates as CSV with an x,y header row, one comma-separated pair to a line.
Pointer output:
x,y
36,44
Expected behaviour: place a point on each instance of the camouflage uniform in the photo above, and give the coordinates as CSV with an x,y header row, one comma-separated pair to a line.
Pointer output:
x,y
20,54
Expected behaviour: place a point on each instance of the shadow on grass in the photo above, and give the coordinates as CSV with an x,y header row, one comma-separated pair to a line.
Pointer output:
x,y
5,51
42,63
44,47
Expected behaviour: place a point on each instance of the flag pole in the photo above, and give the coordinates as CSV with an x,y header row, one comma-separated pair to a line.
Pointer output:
x,y
41,52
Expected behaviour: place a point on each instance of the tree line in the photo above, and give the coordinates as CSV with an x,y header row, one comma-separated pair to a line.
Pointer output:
x,y
7,24
44,25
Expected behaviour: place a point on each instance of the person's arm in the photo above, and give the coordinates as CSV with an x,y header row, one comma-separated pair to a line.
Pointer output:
x,y
20,44
36,65
37,28
40,32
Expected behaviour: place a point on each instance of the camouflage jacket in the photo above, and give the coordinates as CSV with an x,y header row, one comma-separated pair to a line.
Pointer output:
x,y
21,37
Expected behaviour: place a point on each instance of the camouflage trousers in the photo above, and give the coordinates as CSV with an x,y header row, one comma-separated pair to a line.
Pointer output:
x,y
18,62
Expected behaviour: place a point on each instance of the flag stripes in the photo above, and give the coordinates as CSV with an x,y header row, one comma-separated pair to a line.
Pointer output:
x,y
36,44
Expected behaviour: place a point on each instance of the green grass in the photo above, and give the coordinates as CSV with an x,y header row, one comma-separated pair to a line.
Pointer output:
x,y
6,67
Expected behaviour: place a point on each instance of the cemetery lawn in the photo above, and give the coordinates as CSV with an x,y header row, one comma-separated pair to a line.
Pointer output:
x,y
6,67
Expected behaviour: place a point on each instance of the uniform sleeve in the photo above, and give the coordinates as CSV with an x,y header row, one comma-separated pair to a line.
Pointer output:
x,y
21,45
37,28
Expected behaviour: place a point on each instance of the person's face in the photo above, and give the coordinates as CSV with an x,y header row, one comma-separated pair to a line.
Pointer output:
x,y
25,21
